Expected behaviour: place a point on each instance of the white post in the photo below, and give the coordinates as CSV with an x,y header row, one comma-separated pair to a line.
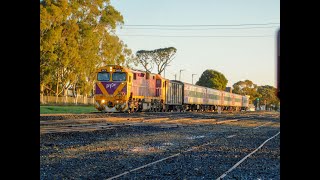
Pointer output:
x,y
192,77
180,74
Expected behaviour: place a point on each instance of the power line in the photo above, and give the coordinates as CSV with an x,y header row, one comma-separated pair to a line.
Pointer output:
x,y
137,35
203,29
201,25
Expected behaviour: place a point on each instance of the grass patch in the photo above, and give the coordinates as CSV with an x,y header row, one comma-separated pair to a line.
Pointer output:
x,y
67,109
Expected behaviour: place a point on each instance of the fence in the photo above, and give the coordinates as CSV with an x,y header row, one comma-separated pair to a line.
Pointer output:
x,y
80,100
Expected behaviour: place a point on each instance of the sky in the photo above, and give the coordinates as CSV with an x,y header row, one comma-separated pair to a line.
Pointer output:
x,y
236,38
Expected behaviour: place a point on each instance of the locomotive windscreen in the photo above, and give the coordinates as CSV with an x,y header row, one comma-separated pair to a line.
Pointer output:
x,y
118,76
103,76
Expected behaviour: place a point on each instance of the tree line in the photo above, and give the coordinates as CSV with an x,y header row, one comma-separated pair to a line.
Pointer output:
x,y
77,37
259,95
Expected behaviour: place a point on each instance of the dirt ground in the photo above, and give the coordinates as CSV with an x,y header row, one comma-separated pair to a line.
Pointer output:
x,y
160,146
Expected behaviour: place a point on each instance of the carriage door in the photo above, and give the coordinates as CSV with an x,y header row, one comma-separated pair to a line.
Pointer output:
x,y
158,87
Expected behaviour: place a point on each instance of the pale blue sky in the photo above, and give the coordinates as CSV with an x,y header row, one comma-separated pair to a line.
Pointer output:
x,y
238,58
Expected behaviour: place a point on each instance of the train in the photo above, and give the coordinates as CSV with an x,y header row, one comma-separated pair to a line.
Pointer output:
x,y
120,89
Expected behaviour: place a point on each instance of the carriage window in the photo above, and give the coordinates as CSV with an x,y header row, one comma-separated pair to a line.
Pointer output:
x,y
118,76
103,76
134,76
129,79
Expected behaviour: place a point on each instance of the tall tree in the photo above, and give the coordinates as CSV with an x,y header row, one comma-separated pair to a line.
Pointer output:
x,y
246,87
212,79
268,96
163,57
57,47
159,57
144,58
97,20
76,37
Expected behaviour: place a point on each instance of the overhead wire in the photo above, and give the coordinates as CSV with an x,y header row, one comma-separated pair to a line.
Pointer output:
x,y
202,29
177,28
142,35
199,25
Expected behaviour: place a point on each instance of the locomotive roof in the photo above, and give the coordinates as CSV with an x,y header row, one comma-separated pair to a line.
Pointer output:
x,y
142,71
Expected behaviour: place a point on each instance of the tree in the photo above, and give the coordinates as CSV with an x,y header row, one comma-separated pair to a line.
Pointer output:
x,y
212,79
268,95
163,57
159,57
58,47
76,37
246,87
144,59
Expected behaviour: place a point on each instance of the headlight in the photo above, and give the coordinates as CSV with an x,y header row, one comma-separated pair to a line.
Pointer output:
x,y
102,101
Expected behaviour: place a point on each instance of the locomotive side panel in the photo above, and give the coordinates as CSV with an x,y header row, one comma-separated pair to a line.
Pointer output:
x,y
140,85
137,83
161,87
151,84
144,86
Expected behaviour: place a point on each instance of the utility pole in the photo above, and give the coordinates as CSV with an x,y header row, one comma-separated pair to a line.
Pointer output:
x,y
192,77
175,76
180,74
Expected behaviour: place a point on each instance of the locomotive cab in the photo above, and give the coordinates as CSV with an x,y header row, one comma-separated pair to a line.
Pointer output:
x,y
111,89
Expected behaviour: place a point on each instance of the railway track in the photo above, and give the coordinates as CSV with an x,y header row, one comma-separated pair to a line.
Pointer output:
x,y
80,128
63,123
45,117
186,150
193,148
161,146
